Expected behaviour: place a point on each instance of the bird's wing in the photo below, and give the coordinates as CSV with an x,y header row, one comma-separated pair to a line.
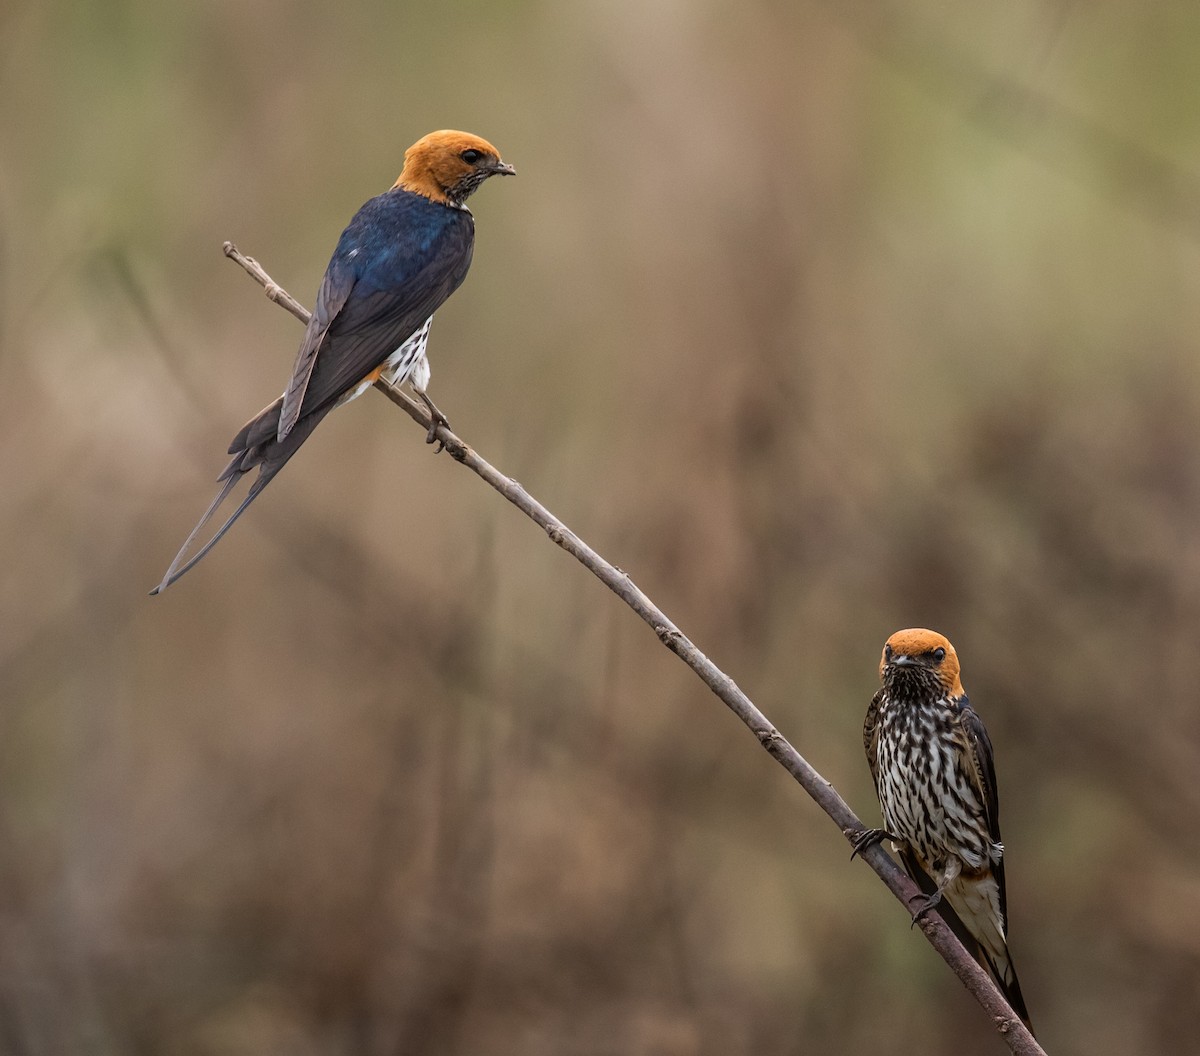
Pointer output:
x,y
335,291
980,765
393,267
871,737
982,770
373,325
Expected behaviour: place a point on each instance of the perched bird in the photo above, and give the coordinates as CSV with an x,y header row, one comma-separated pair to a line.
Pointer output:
x,y
402,255
931,761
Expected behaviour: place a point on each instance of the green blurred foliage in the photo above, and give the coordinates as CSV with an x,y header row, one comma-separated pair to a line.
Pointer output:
x,y
819,319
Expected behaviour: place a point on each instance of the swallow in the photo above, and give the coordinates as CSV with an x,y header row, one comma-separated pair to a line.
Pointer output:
x,y
402,255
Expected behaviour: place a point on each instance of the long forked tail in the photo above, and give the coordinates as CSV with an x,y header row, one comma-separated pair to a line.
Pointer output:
x,y
255,445
984,940
1005,976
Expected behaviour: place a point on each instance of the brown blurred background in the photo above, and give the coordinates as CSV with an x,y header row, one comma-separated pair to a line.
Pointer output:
x,y
820,319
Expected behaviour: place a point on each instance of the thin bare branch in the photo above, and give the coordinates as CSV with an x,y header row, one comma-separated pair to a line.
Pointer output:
x,y
273,291
1005,1021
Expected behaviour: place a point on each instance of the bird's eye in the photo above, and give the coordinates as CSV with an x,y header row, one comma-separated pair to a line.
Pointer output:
x,y
471,156
939,654
887,652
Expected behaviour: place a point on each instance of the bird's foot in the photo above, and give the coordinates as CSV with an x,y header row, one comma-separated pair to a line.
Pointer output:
x,y
436,418
924,904
868,838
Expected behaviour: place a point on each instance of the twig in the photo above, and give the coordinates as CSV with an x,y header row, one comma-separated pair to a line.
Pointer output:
x,y
1006,1022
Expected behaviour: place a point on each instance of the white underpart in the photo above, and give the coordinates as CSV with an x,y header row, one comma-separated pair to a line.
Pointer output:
x,y
979,901
408,363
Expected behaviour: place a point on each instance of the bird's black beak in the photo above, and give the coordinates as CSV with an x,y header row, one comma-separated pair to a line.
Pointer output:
x,y
903,660
503,169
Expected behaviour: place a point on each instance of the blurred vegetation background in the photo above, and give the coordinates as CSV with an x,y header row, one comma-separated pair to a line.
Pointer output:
x,y
820,319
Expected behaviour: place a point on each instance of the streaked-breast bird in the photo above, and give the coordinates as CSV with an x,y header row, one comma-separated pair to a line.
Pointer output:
x,y
931,760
